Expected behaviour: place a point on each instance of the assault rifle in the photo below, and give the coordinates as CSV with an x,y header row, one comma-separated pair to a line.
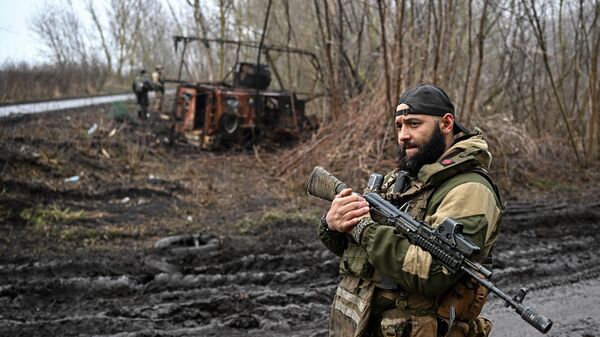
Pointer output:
x,y
445,243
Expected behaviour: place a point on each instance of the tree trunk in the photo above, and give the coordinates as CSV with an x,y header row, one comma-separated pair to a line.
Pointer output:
x,y
326,41
386,67
202,32
594,92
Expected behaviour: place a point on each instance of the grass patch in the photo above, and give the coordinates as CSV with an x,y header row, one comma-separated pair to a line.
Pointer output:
x,y
275,219
43,218
119,112
90,236
548,184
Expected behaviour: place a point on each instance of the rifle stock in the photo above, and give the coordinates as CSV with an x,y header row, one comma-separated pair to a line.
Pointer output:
x,y
449,248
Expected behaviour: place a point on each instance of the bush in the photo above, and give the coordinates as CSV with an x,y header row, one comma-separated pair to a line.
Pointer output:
x,y
24,82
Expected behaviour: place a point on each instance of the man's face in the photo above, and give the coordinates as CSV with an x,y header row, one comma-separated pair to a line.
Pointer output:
x,y
421,141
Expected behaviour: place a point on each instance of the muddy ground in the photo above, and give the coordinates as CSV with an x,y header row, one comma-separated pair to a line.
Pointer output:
x,y
87,256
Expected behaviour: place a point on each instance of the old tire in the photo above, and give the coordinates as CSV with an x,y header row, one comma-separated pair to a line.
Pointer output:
x,y
230,124
188,244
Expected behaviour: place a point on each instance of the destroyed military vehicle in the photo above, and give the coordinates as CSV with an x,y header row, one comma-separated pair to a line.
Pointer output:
x,y
240,111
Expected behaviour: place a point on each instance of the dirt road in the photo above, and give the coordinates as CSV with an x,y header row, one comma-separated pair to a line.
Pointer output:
x,y
78,258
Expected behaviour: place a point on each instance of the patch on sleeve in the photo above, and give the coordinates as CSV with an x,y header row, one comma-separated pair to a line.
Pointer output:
x,y
417,262
447,162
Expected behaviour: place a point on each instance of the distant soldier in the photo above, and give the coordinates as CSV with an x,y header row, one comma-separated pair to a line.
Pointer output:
x,y
158,83
141,86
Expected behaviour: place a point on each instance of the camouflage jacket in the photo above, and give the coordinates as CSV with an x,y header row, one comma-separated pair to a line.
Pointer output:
x,y
158,81
450,187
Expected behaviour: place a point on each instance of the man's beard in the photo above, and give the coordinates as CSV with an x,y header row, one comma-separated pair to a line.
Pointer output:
x,y
428,153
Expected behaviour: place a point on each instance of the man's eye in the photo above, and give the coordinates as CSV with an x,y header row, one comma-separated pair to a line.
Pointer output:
x,y
414,124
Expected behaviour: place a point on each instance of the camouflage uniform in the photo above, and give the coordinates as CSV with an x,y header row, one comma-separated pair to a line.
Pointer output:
x,y
393,288
158,83
141,86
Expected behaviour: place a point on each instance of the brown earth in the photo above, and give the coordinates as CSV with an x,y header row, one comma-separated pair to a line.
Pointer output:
x,y
89,258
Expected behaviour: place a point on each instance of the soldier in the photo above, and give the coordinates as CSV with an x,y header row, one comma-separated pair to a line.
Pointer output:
x,y
158,84
390,286
141,86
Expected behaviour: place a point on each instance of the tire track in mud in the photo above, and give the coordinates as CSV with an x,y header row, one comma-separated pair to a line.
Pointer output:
x,y
549,248
549,244
275,282
225,290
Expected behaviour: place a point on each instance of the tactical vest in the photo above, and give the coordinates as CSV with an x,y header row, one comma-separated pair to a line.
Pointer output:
x,y
362,284
416,200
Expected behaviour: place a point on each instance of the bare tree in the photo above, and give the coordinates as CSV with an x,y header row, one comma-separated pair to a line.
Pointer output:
x,y
202,32
386,67
326,40
534,19
225,7
398,46
530,61
594,87
61,32
103,40
481,36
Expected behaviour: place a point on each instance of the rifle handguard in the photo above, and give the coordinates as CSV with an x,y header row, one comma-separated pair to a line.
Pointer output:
x,y
323,184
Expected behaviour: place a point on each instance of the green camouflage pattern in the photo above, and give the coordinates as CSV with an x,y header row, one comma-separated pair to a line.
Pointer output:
x,y
382,250
354,261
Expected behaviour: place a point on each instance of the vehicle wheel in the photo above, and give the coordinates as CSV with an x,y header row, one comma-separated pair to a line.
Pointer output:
x,y
229,123
188,244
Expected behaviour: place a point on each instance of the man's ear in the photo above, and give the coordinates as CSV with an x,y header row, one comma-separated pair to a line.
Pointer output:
x,y
447,124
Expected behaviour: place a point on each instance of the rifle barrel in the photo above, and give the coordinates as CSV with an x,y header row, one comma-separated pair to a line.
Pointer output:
x,y
537,320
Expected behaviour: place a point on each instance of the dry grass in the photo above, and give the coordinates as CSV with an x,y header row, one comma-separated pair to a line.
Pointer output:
x,y
363,140
24,82
360,141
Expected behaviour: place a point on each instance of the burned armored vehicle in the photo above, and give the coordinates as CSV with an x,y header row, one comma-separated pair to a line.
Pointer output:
x,y
239,110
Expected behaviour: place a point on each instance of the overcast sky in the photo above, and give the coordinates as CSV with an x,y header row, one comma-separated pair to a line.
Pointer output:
x,y
17,42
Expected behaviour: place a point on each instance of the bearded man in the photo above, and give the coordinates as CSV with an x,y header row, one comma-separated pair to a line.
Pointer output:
x,y
391,287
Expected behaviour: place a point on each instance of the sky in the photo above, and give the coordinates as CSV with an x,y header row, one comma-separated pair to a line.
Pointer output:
x,y
17,42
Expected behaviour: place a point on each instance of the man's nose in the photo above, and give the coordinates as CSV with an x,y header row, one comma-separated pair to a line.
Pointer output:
x,y
403,135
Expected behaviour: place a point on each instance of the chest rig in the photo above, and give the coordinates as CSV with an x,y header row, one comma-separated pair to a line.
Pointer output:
x,y
413,196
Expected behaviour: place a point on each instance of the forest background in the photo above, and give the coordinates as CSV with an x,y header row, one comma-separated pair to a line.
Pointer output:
x,y
524,71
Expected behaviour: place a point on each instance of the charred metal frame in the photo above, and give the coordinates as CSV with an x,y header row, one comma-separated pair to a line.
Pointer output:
x,y
266,48
209,113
